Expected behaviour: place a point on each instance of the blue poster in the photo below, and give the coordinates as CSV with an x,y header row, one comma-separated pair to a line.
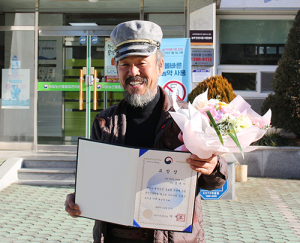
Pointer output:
x,y
177,72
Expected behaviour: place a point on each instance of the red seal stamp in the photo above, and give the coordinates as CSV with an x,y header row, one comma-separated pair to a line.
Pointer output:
x,y
180,217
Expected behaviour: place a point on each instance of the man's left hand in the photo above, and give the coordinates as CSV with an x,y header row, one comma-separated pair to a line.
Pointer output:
x,y
203,166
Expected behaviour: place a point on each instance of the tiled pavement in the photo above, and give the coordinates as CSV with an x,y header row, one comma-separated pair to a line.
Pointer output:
x,y
36,214
265,210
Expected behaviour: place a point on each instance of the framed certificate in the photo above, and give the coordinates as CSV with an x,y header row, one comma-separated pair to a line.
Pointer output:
x,y
145,188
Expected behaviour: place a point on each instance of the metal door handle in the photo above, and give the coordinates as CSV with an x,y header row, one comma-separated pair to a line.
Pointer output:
x,y
95,105
81,80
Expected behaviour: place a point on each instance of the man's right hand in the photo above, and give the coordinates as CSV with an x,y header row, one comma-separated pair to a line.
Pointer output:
x,y
71,207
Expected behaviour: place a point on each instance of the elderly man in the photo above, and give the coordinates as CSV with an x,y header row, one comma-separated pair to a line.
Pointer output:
x,y
142,119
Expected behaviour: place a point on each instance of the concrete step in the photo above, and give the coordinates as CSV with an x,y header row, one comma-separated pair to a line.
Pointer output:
x,y
49,163
47,171
33,174
45,182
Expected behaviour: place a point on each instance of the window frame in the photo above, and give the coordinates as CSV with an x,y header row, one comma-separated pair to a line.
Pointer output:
x,y
220,68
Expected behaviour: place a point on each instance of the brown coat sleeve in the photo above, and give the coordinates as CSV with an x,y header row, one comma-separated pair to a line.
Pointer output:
x,y
217,179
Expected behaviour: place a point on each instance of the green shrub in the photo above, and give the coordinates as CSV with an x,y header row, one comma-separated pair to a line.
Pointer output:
x,y
218,87
285,99
272,138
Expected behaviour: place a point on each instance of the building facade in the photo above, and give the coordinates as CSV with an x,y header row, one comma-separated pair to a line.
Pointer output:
x,y
42,41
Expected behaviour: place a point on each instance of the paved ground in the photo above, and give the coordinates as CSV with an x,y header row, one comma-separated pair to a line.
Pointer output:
x,y
36,214
265,210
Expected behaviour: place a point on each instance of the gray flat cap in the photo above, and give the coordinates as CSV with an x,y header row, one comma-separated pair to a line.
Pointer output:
x,y
137,37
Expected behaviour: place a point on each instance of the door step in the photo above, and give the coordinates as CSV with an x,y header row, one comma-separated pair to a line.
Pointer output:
x,y
47,172
45,182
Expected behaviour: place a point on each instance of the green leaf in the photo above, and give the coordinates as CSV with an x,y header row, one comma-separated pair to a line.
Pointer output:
x,y
215,126
235,139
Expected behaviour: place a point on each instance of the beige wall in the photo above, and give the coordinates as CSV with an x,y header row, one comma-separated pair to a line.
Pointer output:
x,y
203,17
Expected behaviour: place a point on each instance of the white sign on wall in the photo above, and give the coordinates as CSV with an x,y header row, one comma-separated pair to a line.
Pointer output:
x,y
47,50
110,70
200,75
15,88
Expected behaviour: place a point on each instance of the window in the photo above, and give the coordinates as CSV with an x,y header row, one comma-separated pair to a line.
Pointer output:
x,y
266,81
241,81
252,42
17,86
249,50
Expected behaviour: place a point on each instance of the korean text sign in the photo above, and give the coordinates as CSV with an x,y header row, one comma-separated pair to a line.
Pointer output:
x,y
177,71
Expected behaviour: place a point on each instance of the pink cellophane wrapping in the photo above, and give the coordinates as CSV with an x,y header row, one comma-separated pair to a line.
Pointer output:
x,y
195,127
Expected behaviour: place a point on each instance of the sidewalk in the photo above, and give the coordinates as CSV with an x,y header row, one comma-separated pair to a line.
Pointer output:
x,y
265,210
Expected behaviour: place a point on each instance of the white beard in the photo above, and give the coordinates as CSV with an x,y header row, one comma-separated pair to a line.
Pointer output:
x,y
137,100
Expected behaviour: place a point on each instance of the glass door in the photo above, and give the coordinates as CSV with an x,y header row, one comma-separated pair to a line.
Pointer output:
x,y
84,64
67,104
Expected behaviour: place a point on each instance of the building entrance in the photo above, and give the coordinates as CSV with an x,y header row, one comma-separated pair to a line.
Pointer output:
x,y
70,69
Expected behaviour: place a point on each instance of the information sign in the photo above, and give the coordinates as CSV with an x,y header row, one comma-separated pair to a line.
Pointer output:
x,y
74,86
15,88
177,71
201,37
200,75
202,57
214,194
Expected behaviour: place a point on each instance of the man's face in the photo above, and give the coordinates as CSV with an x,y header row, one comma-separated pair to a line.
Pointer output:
x,y
137,74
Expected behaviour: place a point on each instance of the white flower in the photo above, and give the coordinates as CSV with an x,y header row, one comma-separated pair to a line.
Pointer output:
x,y
241,123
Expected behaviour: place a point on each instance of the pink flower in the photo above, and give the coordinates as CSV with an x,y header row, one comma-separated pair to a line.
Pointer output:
x,y
212,111
227,109
258,122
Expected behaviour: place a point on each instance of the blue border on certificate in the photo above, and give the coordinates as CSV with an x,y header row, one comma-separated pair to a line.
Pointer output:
x,y
189,229
143,151
135,224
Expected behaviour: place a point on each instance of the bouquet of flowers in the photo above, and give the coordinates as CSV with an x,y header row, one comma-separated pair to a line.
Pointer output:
x,y
214,127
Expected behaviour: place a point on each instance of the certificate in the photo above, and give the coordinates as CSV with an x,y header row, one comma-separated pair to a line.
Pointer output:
x,y
135,187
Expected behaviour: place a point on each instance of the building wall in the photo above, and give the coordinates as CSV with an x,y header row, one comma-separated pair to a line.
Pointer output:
x,y
17,125
203,17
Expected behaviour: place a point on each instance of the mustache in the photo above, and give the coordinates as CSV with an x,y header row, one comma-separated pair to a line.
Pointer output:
x,y
136,78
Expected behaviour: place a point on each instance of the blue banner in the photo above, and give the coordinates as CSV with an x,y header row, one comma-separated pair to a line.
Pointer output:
x,y
177,70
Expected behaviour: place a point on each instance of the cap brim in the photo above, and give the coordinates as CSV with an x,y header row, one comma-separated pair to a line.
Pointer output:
x,y
135,50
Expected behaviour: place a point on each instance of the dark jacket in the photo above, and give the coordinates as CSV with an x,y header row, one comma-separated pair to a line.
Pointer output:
x,y
110,126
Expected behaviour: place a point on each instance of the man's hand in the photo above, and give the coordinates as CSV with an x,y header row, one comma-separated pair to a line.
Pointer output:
x,y
70,206
204,166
